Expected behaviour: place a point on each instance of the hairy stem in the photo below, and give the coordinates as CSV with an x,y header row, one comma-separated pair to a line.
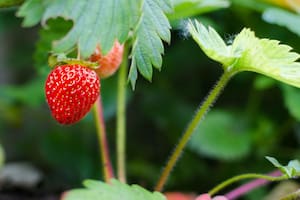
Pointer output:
x,y
203,109
102,139
247,187
121,118
245,176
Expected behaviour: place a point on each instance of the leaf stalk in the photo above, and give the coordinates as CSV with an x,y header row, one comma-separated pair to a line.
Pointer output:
x,y
102,139
234,179
202,110
121,118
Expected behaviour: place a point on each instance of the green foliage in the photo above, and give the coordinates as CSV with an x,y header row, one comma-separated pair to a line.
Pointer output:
x,y
56,28
189,8
283,18
147,46
95,22
222,135
73,152
291,170
291,100
211,43
96,190
257,5
156,113
30,94
109,96
249,53
32,11
102,22
263,82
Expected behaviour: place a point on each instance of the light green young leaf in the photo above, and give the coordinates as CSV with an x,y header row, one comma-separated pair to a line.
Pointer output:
x,y
283,18
148,47
249,53
291,170
211,43
97,190
189,8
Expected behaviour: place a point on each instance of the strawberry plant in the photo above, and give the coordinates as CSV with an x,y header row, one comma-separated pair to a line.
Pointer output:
x,y
93,45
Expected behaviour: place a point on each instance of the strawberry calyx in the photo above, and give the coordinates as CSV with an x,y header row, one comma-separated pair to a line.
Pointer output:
x,y
57,59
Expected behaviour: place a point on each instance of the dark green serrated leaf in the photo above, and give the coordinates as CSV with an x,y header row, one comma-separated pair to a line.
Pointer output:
x,y
32,11
222,135
148,47
95,22
56,29
283,18
102,22
291,170
97,190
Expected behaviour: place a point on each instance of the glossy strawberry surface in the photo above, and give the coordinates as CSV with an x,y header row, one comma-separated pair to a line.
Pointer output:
x,y
71,90
110,62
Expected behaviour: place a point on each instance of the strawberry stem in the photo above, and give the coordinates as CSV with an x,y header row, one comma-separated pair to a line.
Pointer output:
x,y
121,118
234,179
202,110
247,187
102,139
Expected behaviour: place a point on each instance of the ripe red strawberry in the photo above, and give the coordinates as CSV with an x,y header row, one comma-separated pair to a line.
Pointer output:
x,y
110,62
71,90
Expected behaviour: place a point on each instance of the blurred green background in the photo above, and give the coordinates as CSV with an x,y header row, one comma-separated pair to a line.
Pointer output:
x,y
254,117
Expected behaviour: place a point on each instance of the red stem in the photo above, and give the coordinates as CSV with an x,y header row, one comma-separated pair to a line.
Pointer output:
x,y
100,124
